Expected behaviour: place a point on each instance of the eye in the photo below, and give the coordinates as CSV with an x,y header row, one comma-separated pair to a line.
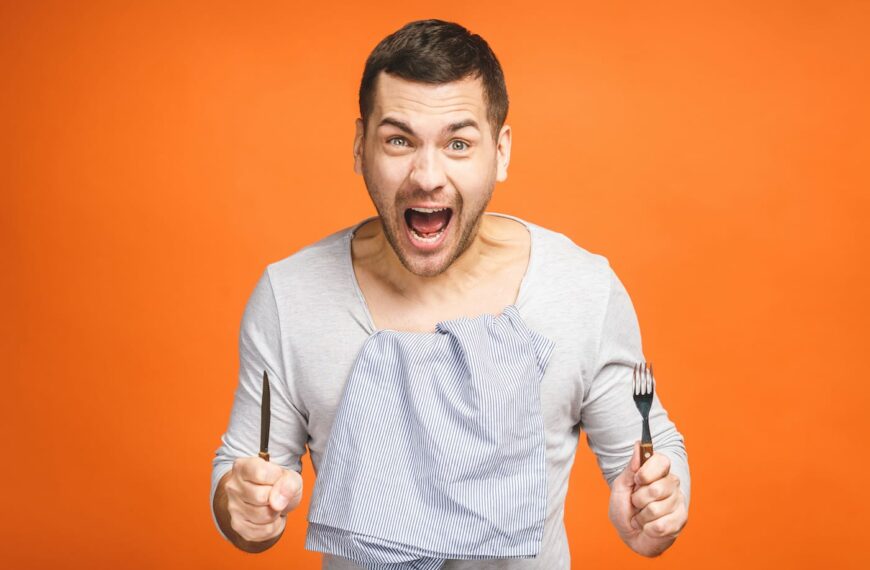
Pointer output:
x,y
458,145
392,140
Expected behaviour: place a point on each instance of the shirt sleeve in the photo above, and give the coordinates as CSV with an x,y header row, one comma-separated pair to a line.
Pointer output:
x,y
608,412
260,348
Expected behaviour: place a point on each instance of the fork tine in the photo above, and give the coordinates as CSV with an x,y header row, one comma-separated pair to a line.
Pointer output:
x,y
643,378
641,373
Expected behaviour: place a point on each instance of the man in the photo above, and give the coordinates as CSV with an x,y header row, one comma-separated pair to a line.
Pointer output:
x,y
430,144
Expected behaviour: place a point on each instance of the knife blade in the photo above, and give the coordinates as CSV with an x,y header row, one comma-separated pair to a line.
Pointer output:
x,y
265,417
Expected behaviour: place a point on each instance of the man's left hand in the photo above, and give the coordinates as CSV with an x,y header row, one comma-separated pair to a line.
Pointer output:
x,y
647,506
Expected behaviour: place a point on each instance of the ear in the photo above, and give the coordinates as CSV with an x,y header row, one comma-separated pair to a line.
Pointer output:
x,y
358,140
503,152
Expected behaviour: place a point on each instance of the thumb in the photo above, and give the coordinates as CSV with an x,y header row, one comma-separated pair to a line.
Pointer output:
x,y
626,478
286,492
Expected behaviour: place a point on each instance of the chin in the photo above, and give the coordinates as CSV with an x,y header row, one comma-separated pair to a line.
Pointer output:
x,y
425,267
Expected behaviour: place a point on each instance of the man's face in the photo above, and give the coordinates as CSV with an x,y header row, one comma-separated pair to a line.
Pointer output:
x,y
430,147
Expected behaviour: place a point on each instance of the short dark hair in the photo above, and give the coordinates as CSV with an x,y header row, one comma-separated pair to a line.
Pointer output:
x,y
435,51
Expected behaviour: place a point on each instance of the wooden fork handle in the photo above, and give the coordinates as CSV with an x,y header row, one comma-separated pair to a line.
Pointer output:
x,y
646,452
263,455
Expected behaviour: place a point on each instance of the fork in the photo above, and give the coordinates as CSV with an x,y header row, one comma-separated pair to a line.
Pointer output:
x,y
642,388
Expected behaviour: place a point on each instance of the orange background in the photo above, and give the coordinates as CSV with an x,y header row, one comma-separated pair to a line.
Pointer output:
x,y
157,157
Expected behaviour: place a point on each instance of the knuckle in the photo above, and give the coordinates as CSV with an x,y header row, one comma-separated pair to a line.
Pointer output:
x,y
240,528
241,464
235,513
637,501
260,475
267,530
657,528
261,515
258,533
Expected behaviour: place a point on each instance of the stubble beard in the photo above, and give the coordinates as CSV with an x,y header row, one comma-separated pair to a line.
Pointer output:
x,y
392,233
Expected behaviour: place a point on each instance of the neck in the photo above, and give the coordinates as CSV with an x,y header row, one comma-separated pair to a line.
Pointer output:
x,y
490,248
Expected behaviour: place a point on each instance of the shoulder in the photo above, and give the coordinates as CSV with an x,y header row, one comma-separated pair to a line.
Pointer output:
x,y
561,260
316,270
324,254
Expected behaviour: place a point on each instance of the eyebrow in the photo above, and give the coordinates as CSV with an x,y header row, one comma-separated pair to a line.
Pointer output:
x,y
451,128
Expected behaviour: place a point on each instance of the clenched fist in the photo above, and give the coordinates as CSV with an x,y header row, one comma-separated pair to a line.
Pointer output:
x,y
259,494
647,506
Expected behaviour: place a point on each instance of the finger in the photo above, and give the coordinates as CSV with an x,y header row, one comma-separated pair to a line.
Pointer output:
x,y
669,525
656,510
257,532
241,490
259,515
655,468
287,492
257,470
244,514
655,491
625,480
255,495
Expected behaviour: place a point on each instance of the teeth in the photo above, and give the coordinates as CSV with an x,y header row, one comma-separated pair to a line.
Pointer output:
x,y
433,237
428,210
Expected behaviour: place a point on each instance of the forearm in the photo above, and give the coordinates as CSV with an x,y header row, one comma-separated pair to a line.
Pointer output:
x,y
222,514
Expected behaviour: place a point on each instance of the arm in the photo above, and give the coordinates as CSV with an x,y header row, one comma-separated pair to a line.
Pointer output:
x,y
260,348
613,425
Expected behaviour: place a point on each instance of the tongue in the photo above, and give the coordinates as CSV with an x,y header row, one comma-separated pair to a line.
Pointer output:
x,y
428,223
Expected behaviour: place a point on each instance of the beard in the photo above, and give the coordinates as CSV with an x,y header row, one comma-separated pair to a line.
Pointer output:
x,y
463,227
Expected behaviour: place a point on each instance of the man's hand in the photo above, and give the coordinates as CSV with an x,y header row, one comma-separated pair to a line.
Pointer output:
x,y
259,495
647,506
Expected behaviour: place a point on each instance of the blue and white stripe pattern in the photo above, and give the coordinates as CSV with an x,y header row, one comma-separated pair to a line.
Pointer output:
x,y
437,449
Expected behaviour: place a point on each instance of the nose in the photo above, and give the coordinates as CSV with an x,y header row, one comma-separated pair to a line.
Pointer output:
x,y
427,171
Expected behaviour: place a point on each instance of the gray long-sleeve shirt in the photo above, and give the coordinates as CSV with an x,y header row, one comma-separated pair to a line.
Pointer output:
x,y
307,319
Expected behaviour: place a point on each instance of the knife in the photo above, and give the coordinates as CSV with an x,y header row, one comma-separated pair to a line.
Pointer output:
x,y
265,417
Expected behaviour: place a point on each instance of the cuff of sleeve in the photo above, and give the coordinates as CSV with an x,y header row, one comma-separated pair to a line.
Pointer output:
x,y
216,474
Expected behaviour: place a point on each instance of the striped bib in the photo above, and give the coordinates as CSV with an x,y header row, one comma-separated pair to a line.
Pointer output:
x,y
437,449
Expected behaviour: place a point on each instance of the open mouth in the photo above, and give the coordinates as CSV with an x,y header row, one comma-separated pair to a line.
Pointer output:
x,y
427,225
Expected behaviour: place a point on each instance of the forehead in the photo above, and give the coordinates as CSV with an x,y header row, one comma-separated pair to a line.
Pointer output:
x,y
442,102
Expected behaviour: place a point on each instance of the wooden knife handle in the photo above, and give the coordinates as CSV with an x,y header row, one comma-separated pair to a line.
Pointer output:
x,y
646,452
264,455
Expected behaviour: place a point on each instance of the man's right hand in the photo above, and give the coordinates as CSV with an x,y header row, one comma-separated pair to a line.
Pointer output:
x,y
259,496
